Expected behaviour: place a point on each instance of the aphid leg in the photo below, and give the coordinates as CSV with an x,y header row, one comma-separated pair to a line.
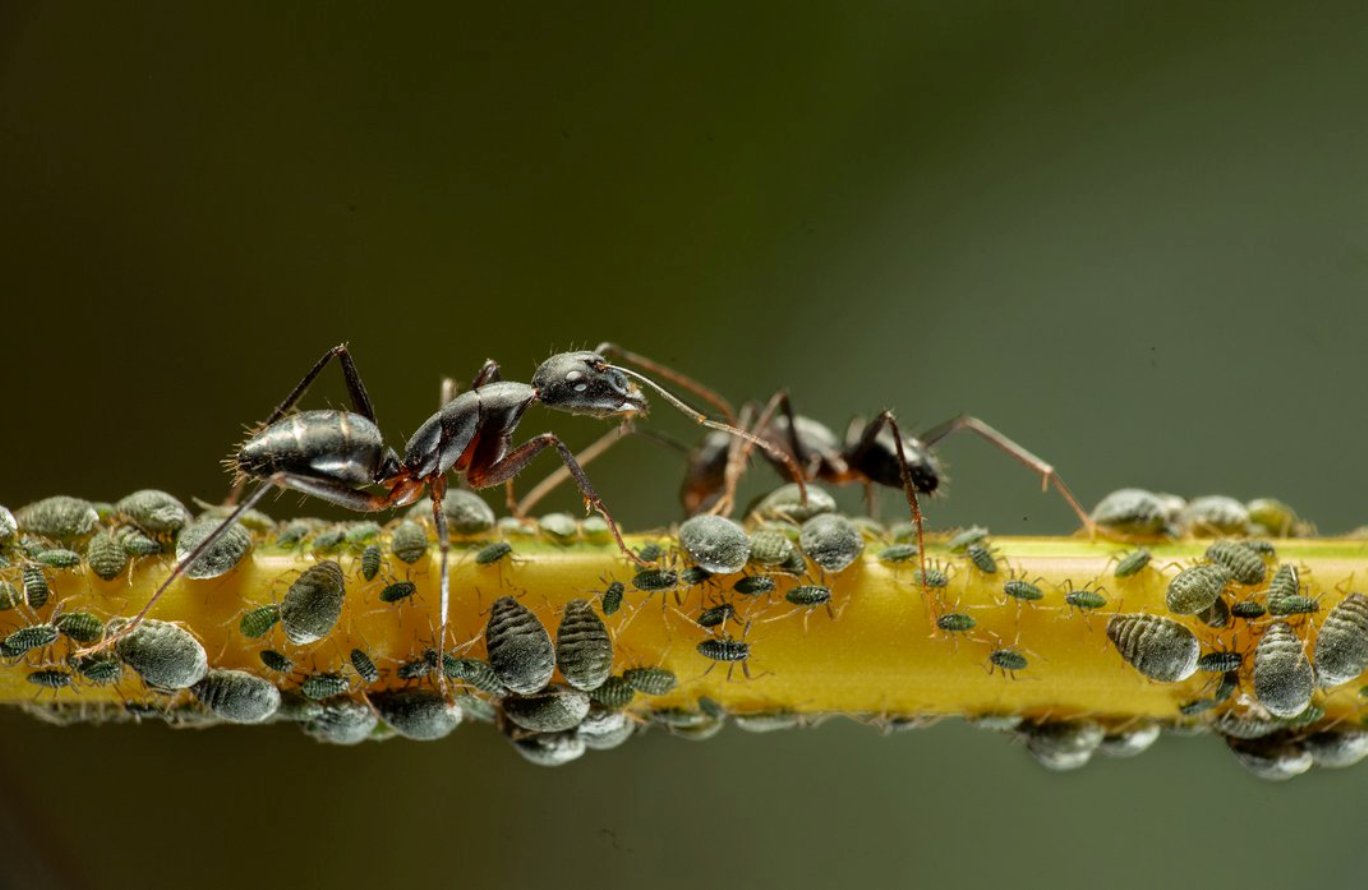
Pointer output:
x,y
867,440
677,378
1047,472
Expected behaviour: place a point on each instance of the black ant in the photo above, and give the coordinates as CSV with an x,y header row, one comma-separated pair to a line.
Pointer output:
x,y
335,455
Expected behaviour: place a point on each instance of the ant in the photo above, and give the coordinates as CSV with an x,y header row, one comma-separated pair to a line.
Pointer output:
x,y
335,455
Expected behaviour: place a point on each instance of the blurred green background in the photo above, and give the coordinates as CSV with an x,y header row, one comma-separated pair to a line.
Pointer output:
x,y
1132,235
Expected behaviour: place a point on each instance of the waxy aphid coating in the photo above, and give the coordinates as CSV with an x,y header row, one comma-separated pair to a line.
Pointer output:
x,y
611,599
409,542
786,503
36,590
329,540
418,714
371,559
831,541
554,709
770,547
809,595
82,627
1214,515
59,559
561,528
550,748
584,651
237,696
651,680
1133,511
754,585
363,665
259,621
165,655
1021,589
61,518
1195,588
1275,760
135,543
1336,749
398,592
220,558
106,555
1131,741
311,607
1132,563
341,721
492,553
9,526
26,639
715,543
898,553
1244,564
651,580
961,542
50,678
1158,647
276,661
321,686
1283,677
466,512
520,649
1342,644
155,512
1062,744
982,558
956,622
615,694
1220,662
475,672
603,729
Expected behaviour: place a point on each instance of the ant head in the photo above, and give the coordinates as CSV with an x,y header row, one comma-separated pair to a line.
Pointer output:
x,y
878,461
583,383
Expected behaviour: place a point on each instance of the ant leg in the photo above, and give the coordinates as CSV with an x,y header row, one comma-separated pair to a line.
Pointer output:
x,y
360,400
489,372
438,489
450,390
1046,471
867,438
552,481
513,463
678,379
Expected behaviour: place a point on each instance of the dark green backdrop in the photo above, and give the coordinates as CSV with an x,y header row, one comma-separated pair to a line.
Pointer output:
x,y
1134,235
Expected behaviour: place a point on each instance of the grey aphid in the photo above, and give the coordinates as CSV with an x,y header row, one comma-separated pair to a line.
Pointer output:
x,y
1244,564
975,534
770,547
475,708
59,558
36,590
61,518
475,672
1342,644
1158,647
1275,760
1196,588
165,655
604,730
1336,749
553,709
155,512
26,639
611,599
1283,677
982,558
237,696
101,669
754,585
898,553
220,558
785,503
584,650
342,721
1062,744
520,649
135,543
615,694
50,678
767,721
715,543
651,680
330,540
595,529
831,541
550,748
559,527
489,554
1133,511
359,534
1132,563
466,512
322,686
1237,725
364,666
106,555
311,607
1131,741
409,542
418,714
1214,515
9,526
83,627
371,559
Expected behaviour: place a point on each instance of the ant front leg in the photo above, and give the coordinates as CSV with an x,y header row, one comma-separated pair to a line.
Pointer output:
x,y
867,440
516,460
1047,472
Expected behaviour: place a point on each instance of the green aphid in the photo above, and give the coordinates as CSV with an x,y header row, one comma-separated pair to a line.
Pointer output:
x,y
809,595
1133,563
796,564
36,590
770,547
1021,589
956,622
1248,610
59,559
1007,660
61,518
615,694
649,552
694,576
754,585
492,553
1220,662
962,541
651,680
1293,605
559,527
259,621
717,615
371,558
982,558
135,542
398,592
409,542
82,627
1284,593
475,672
102,669
9,596
611,599
361,533
106,555
317,687
1244,564
26,639
275,661
651,580
50,678
898,553
1085,599
292,533
934,577
329,540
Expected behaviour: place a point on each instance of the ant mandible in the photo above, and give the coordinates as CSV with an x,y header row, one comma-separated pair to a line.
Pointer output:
x,y
335,455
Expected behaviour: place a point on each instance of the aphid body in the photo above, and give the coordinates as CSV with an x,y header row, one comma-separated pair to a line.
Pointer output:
x,y
519,648
1342,645
1158,647
1283,677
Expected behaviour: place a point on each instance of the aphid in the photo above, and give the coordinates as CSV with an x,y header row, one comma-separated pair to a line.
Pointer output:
x,y
135,543
418,714
1245,566
649,552
102,670
26,639
1263,548
754,585
358,534
1248,610
770,547
956,622
61,518
717,615
933,576
364,666
982,558
809,595
898,553
259,621
1293,605
1062,744
726,650
595,530
398,592
492,553
550,748
519,648
1158,647
1132,563
1239,724
329,540
311,607
796,564
831,541
1008,660
1342,644
615,694
1214,515
1195,588
611,598
59,559
1021,589
1216,615
106,555
694,576
1273,517
9,596
1284,593
1085,599
165,655
275,661
155,512
1283,677
475,672
476,708
651,680
216,552
9,526
603,728
465,512
50,678
651,580
1132,741
36,590
409,542
371,559
237,696
340,721
962,540
554,709
584,651
320,686
715,544
1134,511
784,504
81,627
415,669
1275,760
293,532
1220,662
559,527
1336,749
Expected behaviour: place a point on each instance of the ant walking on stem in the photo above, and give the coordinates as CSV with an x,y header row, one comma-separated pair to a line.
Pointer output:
x,y
336,455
